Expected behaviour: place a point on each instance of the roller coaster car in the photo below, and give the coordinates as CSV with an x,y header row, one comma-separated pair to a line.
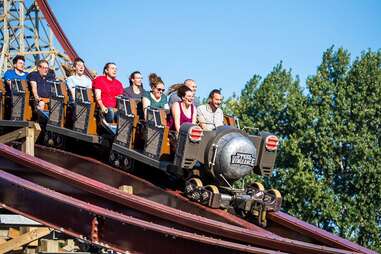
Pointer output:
x,y
128,124
208,162
82,120
218,158
156,135
144,141
58,104
16,108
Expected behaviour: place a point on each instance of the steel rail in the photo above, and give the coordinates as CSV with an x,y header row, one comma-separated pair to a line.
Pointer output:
x,y
104,227
116,177
106,174
216,228
320,235
58,32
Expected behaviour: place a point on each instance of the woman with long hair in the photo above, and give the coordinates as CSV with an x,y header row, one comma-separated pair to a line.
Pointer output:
x,y
183,111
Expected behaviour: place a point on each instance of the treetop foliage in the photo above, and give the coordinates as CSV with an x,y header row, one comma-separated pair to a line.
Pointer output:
x,y
329,162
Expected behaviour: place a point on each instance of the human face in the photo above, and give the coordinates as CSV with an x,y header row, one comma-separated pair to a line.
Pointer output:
x,y
137,79
192,86
216,100
19,65
158,90
188,98
111,71
79,68
43,69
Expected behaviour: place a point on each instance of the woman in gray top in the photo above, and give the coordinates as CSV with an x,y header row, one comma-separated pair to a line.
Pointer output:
x,y
135,91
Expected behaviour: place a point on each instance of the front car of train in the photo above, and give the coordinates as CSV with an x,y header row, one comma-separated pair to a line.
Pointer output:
x,y
211,161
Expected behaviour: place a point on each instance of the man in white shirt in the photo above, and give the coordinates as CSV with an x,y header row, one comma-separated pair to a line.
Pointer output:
x,y
79,78
210,115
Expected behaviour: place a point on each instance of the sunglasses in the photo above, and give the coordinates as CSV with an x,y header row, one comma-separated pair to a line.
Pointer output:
x,y
160,90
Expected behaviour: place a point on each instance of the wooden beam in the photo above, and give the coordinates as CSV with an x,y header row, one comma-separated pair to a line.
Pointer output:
x,y
24,239
29,133
14,135
37,131
31,137
13,233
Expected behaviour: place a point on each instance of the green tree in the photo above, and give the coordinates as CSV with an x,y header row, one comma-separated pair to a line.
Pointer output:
x,y
329,163
345,101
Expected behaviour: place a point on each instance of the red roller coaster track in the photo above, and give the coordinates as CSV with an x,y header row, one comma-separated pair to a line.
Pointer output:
x,y
58,32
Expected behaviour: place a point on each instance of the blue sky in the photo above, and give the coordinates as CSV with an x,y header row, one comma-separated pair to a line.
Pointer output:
x,y
219,43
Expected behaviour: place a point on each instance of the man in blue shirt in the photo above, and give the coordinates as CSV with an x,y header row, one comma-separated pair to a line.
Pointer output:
x,y
17,73
40,81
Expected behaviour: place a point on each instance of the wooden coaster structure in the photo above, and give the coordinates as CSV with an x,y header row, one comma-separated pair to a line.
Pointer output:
x,y
19,239
30,133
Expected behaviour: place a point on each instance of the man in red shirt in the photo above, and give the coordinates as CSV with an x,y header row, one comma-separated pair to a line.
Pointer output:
x,y
107,88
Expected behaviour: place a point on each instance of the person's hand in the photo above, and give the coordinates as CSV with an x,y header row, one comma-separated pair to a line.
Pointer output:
x,y
41,105
104,109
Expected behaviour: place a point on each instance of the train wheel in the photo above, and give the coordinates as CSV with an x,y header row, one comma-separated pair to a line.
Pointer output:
x,y
113,159
211,196
196,182
257,186
59,141
48,139
193,189
256,190
212,188
273,200
127,163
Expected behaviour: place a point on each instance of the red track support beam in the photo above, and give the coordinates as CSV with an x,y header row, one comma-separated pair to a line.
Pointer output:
x,y
58,32
166,213
316,233
114,230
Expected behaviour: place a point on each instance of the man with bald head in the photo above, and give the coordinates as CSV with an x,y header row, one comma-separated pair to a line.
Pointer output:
x,y
174,96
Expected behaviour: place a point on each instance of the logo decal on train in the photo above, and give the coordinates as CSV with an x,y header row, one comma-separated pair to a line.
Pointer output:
x,y
243,159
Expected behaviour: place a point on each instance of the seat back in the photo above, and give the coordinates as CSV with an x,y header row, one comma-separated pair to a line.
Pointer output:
x,y
20,103
58,103
230,120
156,134
85,120
128,122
